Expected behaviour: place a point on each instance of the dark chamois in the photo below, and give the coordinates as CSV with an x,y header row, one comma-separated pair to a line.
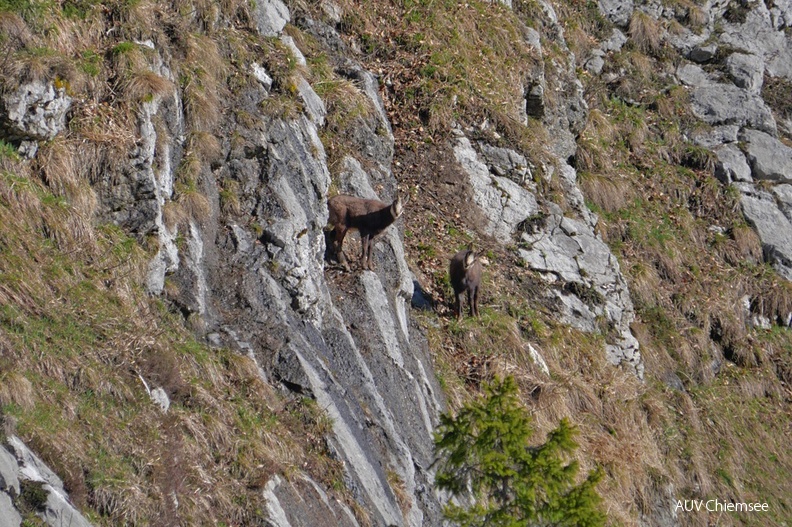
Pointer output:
x,y
465,273
369,217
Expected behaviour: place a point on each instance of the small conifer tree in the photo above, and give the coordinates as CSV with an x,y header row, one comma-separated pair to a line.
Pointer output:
x,y
483,453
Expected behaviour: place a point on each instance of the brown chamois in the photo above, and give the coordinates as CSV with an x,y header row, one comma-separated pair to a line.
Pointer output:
x,y
465,273
368,216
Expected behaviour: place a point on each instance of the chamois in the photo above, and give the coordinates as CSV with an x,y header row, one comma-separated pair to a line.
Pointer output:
x,y
369,217
465,273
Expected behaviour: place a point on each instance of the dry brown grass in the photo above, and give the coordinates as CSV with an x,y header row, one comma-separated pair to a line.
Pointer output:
x,y
195,205
609,193
645,32
206,146
142,86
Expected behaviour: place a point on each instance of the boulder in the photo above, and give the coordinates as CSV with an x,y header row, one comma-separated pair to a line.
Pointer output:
x,y
757,36
747,71
35,111
617,11
693,75
270,16
769,158
616,41
772,225
595,62
716,136
731,164
724,104
703,53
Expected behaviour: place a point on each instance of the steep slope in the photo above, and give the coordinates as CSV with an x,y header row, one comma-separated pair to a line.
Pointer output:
x,y
178,345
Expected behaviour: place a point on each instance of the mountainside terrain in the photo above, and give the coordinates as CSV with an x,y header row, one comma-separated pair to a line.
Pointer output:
x,y
180,346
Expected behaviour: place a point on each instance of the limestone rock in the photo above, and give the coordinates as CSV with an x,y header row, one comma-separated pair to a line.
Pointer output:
x,y
703,53
160,398
58,510
503,202
731,164
757,36
314,106
270,16
747,71
769,158
507,163
595,62
301,501
299,58
716,136
534,102
616,41
261,75
9,469
35,111
772,225
722,104
693,75
9,516
571,254
617,11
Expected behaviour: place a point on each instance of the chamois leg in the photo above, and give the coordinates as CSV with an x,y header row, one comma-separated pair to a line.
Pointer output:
x,y
458,305
365,258
474,310
340,233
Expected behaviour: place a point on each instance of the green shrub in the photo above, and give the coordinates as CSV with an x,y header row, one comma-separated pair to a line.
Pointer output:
x,y
485,450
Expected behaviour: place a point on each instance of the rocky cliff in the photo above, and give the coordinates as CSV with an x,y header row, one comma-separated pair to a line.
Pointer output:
x,y
576,145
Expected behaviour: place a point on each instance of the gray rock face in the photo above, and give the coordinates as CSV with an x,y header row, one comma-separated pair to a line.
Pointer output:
x,y
775,230
769,158
758,36
314,106
503,202
270,16
595,62
617,11
35,111
20,462
507,163
693,75
345,339
568,253
723,104
9,516
747,71
616,41
304,503
9,472
584,274
534,102
731,165
719,135
703,53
